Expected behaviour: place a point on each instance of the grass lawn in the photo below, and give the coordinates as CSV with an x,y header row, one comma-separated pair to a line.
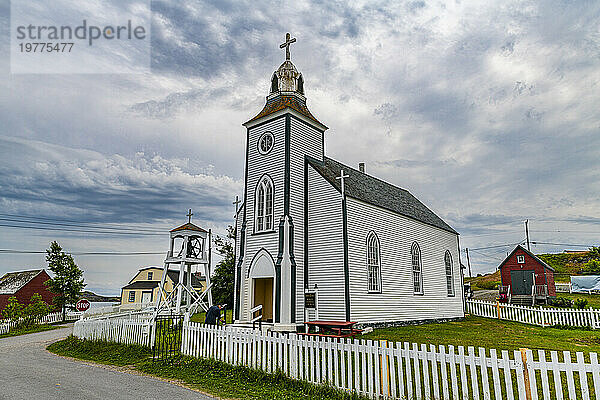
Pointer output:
x,y
491,334
213,377
199,317
34,329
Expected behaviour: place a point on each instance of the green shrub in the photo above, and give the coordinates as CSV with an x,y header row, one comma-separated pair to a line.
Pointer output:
x,y
580,304
591,267
13,310
562,302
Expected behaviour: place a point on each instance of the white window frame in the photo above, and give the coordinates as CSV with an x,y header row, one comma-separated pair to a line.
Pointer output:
x,y
131,292
417,268
520,259
449,273
373,263
264,205
260,139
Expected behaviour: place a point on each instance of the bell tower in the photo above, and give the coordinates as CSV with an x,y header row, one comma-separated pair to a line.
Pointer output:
x,y
189,245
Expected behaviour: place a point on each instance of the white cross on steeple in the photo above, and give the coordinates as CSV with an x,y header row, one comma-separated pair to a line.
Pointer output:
x,y
342,177
286,44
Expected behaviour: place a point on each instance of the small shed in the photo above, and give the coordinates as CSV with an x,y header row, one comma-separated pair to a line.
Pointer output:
x,y
521,270
23,284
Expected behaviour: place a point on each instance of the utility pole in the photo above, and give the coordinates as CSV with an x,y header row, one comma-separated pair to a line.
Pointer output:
x,y
469,262
527,234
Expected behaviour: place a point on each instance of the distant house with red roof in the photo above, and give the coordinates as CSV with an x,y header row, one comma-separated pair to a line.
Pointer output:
x,y
23,284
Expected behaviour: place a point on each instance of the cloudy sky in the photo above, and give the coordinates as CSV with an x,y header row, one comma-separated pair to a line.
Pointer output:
x,y
487,111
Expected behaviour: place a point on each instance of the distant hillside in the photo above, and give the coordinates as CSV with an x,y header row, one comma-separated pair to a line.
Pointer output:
x,y
567,264
488,281
96,297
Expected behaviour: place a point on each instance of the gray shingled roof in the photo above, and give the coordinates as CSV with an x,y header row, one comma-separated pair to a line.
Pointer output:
x,y
142,285
11,282
374,191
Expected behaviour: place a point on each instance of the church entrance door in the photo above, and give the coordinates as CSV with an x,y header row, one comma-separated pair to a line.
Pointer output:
x,y
263,294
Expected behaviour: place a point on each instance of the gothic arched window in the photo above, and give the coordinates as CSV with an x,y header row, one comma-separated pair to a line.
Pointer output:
x,y
373,263
449,273
417,268
264,205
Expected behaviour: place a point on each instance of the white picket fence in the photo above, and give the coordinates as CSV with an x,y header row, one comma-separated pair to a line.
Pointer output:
x,y
379,368
541,316
119,330
402,370
51,318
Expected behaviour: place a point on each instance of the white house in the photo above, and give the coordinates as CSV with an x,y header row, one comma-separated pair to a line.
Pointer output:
x,y
317,239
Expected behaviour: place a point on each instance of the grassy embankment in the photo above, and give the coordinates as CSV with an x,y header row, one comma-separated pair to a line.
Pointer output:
x,y
209,376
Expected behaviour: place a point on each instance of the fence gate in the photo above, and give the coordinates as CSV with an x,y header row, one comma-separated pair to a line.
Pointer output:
x,y
167,338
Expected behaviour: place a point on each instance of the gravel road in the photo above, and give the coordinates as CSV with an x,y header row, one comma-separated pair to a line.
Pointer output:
x,y
29,371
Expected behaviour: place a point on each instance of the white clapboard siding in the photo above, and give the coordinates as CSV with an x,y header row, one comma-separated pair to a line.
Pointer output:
x,y
271,164
325,247
304,140
397,301
401,370
541,316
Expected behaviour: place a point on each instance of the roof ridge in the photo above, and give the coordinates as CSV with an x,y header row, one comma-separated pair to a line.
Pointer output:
x,y
369,175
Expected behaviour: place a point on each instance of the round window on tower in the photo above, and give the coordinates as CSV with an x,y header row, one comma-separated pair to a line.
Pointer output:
x,y
265,143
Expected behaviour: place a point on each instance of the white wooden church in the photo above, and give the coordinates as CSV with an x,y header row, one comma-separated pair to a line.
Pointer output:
x,y
317,239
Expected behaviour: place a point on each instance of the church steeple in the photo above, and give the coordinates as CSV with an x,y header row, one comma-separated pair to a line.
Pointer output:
x,y
287,89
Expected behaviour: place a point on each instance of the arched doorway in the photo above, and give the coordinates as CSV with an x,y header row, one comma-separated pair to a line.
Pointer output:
x,y
262,284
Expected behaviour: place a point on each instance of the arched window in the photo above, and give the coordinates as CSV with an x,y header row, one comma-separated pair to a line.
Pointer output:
x,y
449,273
264,205
417,268
373,263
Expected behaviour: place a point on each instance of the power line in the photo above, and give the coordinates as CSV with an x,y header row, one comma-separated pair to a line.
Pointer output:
x,y
72,220
82,225
90,253
564,244
487,256
96,231
494,247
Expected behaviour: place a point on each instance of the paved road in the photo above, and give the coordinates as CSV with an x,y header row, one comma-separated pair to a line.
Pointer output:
x,y
28,371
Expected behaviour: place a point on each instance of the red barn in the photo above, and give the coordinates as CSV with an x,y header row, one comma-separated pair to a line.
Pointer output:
x,y
23,284
520,271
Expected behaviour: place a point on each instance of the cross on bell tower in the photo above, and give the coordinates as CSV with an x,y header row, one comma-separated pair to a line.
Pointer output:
x,y
288,41
189,215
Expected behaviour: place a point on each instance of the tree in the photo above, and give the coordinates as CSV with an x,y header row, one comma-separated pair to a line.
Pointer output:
x,y
68,278
223,277
35,310
13,310
594,253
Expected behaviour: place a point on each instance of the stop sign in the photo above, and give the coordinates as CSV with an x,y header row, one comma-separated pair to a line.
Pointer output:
x,y
82,305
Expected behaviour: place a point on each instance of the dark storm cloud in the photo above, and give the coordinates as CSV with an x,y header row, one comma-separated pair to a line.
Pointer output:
x,y
61,181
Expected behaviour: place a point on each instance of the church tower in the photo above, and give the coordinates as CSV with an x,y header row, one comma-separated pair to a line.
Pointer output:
x,y
270,248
